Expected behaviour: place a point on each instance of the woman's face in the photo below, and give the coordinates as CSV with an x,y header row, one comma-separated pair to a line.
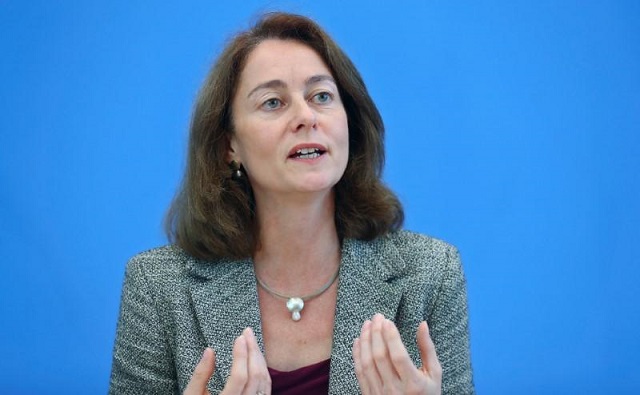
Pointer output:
x,y
290,126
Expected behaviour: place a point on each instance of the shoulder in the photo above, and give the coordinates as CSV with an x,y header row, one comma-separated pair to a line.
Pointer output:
x,y
407,241
419,250
423,259
161,267
404,254
167,260
169,264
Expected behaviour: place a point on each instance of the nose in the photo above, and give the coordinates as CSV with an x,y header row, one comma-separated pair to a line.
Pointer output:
x,y
305,117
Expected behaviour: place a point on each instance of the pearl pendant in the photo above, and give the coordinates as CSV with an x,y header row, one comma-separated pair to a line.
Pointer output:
x,y
295,306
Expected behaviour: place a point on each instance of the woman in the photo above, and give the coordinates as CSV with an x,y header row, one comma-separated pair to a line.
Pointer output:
x,y
288,272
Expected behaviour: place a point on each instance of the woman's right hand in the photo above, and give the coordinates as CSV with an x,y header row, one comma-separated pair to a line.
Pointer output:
x,y
249,374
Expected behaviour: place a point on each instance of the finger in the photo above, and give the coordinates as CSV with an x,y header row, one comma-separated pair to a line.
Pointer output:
x,y
357,361
239,372
430,363
398,354
369,370
202,373
259,378
380,352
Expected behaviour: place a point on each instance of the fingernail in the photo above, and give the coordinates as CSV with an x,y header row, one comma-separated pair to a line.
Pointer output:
x,y
365,327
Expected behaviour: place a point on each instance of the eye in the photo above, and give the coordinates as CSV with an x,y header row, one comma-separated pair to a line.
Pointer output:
x,y
272,104
322,98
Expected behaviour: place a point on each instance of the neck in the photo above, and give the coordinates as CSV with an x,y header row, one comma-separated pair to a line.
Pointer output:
x,y
298,243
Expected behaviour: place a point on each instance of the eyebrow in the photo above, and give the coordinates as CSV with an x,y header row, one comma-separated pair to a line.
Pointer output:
x,y
314,79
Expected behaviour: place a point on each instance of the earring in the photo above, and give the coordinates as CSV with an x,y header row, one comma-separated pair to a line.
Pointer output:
x,y
236,172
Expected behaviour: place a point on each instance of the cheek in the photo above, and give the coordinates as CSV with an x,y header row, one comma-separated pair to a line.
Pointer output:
x,y
255,152
343,143
244,141
344,135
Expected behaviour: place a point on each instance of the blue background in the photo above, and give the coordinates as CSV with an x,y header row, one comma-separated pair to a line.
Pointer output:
x,y
512,132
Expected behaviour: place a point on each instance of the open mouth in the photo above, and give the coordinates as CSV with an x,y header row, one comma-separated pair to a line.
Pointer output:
x,y
307,153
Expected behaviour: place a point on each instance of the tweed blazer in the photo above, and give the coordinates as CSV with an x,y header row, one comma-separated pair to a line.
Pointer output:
x,y
173,306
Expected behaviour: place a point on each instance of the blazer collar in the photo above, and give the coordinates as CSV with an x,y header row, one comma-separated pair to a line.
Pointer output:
x,y
367,286
225,299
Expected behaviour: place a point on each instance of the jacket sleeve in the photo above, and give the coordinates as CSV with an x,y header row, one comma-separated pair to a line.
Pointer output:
x,y
142,360
449,327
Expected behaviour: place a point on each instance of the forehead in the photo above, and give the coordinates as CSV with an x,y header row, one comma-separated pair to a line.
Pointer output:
x,y
285,60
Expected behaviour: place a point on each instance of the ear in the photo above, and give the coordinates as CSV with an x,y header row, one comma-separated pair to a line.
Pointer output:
x,y
232,153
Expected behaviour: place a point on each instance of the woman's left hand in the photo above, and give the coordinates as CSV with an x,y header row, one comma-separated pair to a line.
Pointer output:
x,y
383,365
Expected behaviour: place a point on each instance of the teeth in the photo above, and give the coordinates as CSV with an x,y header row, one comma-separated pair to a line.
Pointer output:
x,y
308,153
309,156
305,151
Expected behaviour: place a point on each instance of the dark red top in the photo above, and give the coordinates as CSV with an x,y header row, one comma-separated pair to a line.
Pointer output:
x,y
308,380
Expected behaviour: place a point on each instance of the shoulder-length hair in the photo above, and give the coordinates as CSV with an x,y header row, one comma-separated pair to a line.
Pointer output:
x,y
213,215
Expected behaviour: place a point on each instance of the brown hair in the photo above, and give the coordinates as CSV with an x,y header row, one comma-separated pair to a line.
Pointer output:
x,y
212,216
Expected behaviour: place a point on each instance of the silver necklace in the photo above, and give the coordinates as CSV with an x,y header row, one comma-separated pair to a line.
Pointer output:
x,y
295,304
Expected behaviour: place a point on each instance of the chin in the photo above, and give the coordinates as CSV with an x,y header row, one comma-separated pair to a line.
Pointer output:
x,y
318,185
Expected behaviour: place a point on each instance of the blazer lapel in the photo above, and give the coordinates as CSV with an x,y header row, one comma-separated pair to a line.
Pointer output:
x,y
225,301
366,286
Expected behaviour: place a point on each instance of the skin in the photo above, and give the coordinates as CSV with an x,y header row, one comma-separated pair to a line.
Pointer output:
x,y
383,365
249,374
381,361
287,100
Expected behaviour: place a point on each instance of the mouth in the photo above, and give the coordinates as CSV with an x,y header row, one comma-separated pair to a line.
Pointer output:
x,y
307,153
